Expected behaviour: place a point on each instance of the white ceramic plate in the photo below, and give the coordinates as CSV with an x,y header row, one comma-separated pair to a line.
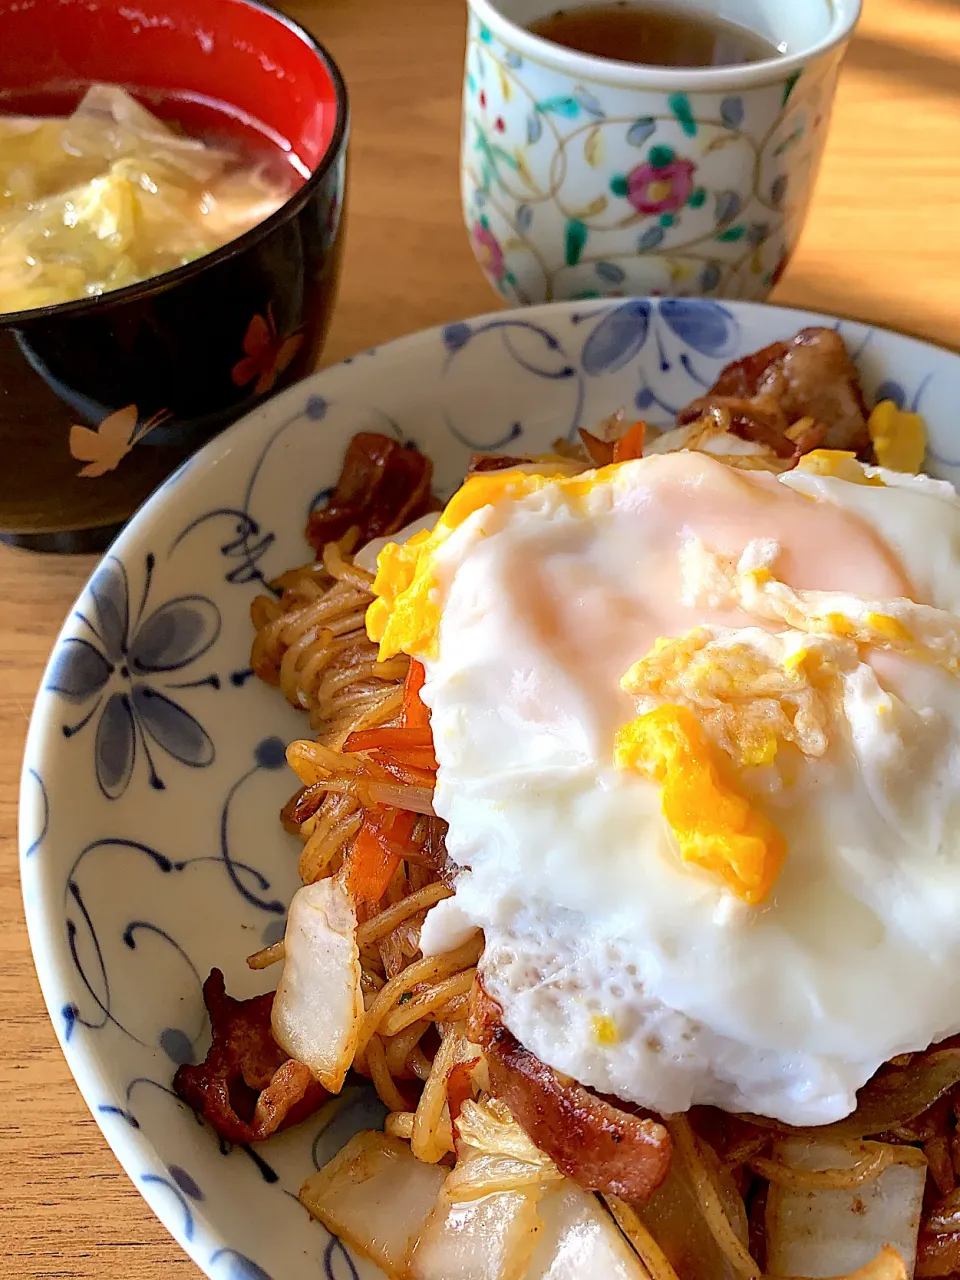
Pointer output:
x,y
154,769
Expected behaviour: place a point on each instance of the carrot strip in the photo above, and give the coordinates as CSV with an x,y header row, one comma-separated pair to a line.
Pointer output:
x,y
410,774
599,451
389,739
414,714
460,1085
377,852
630,444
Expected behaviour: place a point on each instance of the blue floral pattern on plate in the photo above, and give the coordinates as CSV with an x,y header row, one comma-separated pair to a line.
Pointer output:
x,y
116,665
162,856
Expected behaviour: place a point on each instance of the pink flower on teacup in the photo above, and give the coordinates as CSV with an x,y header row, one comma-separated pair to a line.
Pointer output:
x,y
487,248
663,185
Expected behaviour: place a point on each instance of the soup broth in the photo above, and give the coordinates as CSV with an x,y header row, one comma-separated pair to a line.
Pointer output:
x,y
652,35
112,194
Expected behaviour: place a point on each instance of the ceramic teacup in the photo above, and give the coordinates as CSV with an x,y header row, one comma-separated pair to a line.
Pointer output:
x,y
584,177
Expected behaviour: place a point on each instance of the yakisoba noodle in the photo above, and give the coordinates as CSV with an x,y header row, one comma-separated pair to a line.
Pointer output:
x,y
312,642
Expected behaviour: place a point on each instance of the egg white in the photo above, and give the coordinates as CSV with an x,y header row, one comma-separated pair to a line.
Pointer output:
x,y
614,962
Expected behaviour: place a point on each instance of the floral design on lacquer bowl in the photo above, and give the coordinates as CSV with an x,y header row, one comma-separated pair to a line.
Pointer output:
x,y
119,677
581,189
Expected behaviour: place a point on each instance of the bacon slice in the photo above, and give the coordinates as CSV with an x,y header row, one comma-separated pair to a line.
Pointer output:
x,y
246,1087
383,486
598,1144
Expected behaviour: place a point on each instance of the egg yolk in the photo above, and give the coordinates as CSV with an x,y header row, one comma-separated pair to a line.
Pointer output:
x,y
838,463
899,438
405,616
714,825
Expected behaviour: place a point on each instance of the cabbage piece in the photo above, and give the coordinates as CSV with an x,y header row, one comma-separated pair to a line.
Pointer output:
x,y
319,1005
495,1154
375,1196
822,1233
487,1239
578,1241
695,1216
112,195
488,1126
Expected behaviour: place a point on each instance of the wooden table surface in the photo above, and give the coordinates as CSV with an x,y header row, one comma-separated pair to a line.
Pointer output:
x,y
882,244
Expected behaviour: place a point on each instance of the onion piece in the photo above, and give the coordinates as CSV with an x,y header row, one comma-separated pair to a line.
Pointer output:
x,y
823,1232
318,1006
688,1219
869,1161
377,1197
652,1256
400,795
578,1241
730,1240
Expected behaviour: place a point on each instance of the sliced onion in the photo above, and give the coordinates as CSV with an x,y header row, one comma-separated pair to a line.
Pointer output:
x,y
828,1231
730,1239
399,796
869,1159
686,1218
318,1005
652,1256
377,1197
578,1241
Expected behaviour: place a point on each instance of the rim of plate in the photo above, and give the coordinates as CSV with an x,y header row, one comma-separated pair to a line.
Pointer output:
x,y
131,1146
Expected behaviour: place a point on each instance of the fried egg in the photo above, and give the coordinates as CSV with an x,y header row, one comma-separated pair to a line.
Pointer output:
x,y
698,734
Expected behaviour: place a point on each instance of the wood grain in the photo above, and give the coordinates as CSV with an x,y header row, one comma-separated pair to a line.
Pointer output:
x,y
881,244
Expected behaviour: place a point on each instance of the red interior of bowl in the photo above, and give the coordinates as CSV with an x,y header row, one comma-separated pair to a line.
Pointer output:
x,y
192,60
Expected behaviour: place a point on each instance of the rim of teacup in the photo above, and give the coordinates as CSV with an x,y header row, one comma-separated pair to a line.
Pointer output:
x,y
843,17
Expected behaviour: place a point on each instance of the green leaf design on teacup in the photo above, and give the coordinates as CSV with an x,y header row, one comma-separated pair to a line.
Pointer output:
x,y
791,84
679,104
576,238
732,233
790,140
563,105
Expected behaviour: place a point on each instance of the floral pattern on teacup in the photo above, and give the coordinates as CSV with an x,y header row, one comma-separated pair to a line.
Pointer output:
x,y
580,188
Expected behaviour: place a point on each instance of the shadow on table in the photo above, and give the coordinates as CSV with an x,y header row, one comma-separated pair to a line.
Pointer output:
x,y
929,73
851,299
